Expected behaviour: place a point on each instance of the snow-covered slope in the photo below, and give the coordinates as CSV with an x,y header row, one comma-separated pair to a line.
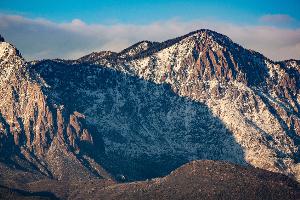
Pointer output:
x,y
256,99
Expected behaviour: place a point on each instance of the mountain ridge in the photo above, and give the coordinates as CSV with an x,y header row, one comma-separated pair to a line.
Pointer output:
x,y
200,84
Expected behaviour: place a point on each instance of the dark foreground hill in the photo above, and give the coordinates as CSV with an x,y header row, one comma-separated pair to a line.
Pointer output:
x,y
196,180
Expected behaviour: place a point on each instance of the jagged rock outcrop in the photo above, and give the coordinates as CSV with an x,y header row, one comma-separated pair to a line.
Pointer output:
x,y
36,134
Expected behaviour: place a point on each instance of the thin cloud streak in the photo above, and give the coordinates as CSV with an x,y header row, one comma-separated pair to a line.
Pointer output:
x,y
41,38
276,19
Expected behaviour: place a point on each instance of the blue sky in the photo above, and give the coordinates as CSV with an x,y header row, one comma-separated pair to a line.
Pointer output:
x,y
139,12
73,28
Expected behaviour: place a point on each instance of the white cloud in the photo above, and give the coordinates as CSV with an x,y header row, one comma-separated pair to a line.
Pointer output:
x,y
40,38
276,19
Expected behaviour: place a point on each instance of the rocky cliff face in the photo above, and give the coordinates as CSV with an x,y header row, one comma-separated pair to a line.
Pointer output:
x,y
37,134
151,108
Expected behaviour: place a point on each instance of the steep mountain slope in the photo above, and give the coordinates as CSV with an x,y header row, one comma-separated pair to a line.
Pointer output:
x,y
258,100
147,129
38,135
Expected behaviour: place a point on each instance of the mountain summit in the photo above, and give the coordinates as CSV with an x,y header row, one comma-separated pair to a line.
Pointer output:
x,y
149,109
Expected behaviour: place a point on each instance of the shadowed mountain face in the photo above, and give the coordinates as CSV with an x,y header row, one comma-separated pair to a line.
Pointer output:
x,y
145,111
147,129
